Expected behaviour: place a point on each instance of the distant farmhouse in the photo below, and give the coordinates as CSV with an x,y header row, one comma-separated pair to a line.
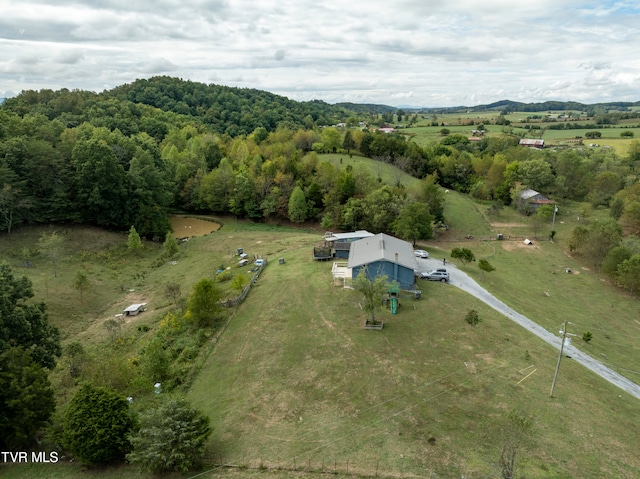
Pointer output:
x,y
533,200
384,255
531,143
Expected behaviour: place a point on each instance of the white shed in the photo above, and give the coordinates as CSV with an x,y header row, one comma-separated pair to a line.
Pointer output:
x,y
135,309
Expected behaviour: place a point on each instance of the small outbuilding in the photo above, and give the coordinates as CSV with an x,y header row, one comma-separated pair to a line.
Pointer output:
x,y
534,200
135,309
531,143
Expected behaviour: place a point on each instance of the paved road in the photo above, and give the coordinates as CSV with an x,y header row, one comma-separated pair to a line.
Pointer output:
x,y
464,282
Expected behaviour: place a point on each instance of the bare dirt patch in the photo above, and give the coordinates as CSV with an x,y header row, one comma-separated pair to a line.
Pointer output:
x,y
507,225
518,245
186,227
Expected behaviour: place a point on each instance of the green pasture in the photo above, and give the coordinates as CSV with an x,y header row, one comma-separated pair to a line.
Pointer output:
x,y
388,173
317,390
610,137
296,387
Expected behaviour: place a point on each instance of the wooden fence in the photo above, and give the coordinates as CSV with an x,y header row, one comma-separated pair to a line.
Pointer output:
x,y
232,303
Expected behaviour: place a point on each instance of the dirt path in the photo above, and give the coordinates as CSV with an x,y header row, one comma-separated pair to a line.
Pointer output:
x,y
464,282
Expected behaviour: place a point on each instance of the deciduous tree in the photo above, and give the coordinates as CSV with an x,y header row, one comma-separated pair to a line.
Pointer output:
x,y
485,266
331,139
372,290
100,183
414,223
203,306
26,399
463,254
12,204
433,195
25,324
173,291
81,283
628,273
516,433
297,206
52,245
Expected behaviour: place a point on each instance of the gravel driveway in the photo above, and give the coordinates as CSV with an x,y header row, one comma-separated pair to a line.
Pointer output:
x,y
464,282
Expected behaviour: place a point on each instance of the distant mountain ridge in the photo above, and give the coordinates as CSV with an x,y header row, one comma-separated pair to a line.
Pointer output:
x,y
236,111
507,106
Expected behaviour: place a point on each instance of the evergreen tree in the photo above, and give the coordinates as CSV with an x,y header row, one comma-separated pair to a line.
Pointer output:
x,y
134,243
170,245
171,438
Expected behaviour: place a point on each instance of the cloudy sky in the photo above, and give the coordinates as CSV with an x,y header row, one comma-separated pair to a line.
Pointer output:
x,y
400,53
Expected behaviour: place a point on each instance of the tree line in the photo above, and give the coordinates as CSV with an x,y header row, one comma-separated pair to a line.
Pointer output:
x,y
126,157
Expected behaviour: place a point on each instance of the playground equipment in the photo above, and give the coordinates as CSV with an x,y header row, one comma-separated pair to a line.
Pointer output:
x,y
394,294
394,305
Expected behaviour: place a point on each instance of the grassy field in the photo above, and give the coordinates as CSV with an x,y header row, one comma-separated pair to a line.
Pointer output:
x,y
296,386
428,394
388,173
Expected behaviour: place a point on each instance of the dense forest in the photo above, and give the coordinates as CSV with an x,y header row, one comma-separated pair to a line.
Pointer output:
x,y
127,156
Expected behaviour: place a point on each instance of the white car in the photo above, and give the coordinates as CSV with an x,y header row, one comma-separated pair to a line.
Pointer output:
x,y
421,253
436,275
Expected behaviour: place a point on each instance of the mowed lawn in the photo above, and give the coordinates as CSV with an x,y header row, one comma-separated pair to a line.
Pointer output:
x,y
296,382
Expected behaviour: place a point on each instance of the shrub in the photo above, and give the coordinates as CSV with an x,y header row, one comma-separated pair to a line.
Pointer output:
x,y
226,275
96,425
472,317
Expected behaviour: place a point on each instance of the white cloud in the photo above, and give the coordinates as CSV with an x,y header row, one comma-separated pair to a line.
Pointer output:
x,y
409,52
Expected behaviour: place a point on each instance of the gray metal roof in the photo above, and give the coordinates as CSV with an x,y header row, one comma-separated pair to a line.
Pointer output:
x,y
353,235
382,247
134,307
528,193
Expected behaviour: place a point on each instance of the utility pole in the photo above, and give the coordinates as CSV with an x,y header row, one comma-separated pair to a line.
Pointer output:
x,y
555,376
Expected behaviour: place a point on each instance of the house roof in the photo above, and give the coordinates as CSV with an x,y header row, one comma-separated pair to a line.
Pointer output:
x,y
382,247
346,236
532,196
531,142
